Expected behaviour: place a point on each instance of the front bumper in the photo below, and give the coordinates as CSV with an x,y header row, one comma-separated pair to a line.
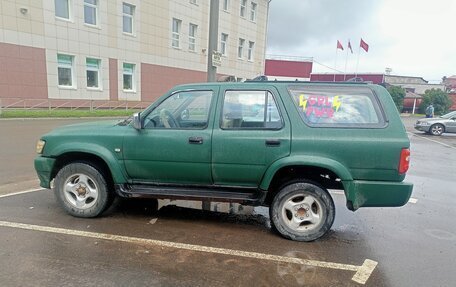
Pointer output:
x,y
362,193
43,167
422,128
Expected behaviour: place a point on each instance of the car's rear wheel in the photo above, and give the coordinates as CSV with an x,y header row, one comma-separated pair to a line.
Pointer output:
x,y
82,190
437,129
302,211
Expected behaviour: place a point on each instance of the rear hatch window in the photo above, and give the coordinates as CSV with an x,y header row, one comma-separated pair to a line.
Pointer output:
x,y
338,106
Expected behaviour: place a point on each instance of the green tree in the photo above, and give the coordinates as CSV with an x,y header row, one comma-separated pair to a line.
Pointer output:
x,y
438,98
398,95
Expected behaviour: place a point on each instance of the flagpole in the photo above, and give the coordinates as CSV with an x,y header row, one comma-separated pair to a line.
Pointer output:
x,y
357,61
335,65
346,60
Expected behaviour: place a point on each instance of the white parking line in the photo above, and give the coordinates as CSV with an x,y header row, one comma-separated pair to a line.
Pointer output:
x,y
413,200
361,276
21,192
431,140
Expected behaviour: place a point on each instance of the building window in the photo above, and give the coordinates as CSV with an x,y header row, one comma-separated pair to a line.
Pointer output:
x,y
226,5
243,7
65,70
128,77
250,51
93,73
90,11
192,29
176,33
241,48
223,44
62,9
128,12
253,12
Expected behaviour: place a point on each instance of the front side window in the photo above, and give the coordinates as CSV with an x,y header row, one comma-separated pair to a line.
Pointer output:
x,y
65,70
93,73
250,110
243,8
62,9
128,12
192,29
250,52
128,77
90,12
182,110
176,33
253,8
223,44
337,106
241,48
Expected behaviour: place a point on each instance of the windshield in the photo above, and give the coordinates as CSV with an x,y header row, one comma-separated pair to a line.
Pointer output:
x,y
449,115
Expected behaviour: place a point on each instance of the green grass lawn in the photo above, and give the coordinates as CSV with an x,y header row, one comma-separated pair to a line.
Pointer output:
x,y
64,113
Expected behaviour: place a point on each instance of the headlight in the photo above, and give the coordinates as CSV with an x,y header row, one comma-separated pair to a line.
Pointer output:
x,y
425,124
40,146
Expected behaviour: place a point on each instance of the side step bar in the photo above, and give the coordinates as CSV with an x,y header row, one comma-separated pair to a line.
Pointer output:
x,y
242,195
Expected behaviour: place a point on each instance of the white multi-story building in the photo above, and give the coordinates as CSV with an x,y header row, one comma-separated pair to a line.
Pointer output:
x,y
122,50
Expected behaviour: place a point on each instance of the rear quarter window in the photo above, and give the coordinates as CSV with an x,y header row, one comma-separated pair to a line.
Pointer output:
x,y
338,106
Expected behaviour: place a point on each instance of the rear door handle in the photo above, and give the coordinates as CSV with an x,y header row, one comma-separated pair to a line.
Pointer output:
x,y
195,140
273,142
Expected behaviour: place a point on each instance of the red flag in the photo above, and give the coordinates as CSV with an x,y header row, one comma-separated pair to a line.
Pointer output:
x,y
364,45
339,45
350,46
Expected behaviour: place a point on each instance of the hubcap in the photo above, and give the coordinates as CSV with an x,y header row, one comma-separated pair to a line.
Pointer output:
x,y
81,191
437,130
302,212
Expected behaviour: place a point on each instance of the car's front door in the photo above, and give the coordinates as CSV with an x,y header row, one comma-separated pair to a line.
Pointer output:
x,y
175,143
250,132
451,125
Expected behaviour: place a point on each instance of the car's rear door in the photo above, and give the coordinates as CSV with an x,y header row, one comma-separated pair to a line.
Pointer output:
x,y
251,131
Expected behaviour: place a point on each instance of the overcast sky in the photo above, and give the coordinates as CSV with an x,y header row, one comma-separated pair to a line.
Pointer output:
x,y
414,38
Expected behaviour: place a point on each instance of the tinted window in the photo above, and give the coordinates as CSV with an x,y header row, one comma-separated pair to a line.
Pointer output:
x,y
250,110
337,106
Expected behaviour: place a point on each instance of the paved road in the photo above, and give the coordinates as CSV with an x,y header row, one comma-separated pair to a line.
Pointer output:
x,y
414,245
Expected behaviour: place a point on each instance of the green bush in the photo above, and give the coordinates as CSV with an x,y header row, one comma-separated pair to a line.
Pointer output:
x,y
438,98
398,95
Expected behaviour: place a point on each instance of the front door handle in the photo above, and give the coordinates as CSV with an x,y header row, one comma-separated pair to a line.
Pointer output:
x,y
272,142
195,140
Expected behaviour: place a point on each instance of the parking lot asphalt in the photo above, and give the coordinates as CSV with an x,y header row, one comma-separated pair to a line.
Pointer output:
x,y
134,244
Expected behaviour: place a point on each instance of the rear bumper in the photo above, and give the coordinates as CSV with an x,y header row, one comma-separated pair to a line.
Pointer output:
x,y
361,193
43,167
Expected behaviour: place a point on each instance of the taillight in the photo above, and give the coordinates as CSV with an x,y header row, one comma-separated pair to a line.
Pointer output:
x,y
404,161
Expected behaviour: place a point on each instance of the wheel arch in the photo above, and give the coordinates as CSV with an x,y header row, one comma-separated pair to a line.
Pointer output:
x,y
104,161
326,172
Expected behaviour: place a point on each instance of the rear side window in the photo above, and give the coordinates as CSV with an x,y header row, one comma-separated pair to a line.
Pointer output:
x,y
250,110
337,106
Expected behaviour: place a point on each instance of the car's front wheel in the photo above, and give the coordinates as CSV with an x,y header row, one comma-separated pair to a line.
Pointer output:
x,y
437,129
302,211
82,190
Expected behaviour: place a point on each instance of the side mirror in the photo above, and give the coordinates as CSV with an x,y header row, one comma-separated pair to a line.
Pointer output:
x,y
137,121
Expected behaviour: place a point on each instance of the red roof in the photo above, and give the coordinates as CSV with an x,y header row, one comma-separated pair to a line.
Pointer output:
x,y
292,69
374,78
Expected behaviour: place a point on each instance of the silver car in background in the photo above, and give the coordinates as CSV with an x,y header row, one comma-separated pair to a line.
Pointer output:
x,y
438,126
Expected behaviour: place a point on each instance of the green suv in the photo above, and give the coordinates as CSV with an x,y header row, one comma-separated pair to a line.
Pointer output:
x,y
276,144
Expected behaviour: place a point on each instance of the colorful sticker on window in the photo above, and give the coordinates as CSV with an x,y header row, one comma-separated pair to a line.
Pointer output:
x,y
319,106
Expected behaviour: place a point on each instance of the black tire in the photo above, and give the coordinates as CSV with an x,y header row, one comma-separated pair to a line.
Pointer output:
x,y
437,129
309,200
92,194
